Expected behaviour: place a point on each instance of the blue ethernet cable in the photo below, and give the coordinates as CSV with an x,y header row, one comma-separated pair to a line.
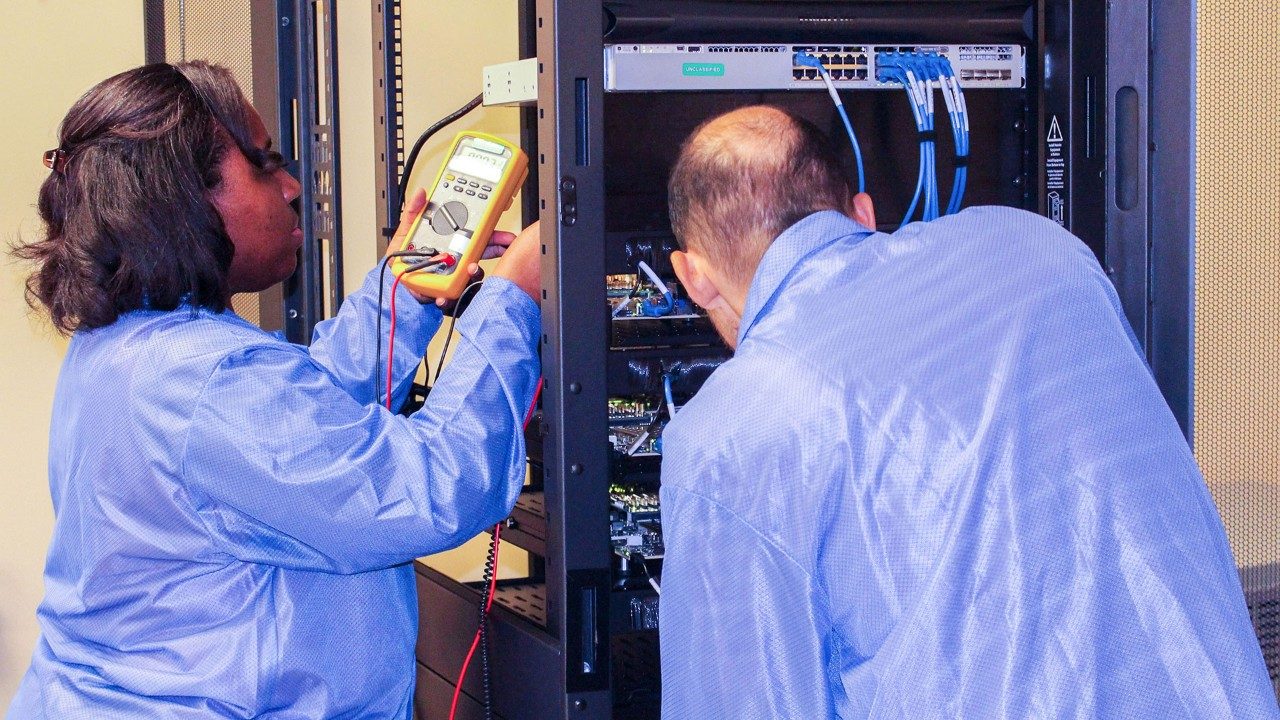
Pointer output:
x,y
804,58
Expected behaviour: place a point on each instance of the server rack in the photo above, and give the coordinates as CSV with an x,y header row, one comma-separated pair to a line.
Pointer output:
x,y
1103,122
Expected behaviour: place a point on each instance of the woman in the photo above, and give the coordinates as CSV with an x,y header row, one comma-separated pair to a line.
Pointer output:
x,y
234,515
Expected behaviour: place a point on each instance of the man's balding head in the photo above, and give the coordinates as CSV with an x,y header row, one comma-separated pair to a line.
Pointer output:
x,y
744,177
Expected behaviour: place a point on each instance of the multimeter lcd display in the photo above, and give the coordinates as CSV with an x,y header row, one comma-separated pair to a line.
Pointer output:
x,y
477,163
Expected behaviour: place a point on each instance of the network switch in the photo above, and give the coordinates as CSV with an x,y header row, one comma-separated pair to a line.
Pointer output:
x,y
668,67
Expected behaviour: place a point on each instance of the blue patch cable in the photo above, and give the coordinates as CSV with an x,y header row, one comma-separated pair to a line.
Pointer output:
x,y
804,58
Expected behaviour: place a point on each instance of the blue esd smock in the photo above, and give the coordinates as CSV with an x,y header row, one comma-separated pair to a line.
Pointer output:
x,y
937,480
234,514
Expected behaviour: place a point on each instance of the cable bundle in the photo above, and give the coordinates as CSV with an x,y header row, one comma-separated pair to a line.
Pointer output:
x,y
919,73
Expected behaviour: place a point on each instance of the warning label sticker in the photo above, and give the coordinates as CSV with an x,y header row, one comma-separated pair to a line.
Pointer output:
x,y
1055,173
1055,130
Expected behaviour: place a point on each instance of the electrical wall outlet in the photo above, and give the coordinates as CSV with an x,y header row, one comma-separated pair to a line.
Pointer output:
x,y
512,83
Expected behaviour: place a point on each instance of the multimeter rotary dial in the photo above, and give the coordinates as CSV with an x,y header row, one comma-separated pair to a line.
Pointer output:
x,y
450,218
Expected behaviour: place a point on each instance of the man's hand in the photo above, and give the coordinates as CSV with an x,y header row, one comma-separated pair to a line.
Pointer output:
x,y
521,262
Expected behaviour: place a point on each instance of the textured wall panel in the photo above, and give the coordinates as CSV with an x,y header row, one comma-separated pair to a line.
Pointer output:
x,y
217,31
1237,334
1237,331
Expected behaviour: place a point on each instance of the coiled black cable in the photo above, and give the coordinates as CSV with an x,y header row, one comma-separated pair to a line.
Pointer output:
x,y
403,186
489,570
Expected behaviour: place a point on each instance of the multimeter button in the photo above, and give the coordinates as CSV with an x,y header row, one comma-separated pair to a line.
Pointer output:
x,y
485,188
474,184
471,192
444,185
448,177
482,196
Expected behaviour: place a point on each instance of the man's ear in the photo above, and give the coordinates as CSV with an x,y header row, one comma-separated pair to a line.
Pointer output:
x,y
690,269
863,210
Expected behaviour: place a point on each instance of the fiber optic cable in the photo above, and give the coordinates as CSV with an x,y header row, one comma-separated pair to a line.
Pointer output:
x,y
896,67
804,58
949,85
953,113
960,128
924,82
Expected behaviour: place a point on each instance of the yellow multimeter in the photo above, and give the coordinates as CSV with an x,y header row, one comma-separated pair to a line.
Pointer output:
x,y
473,188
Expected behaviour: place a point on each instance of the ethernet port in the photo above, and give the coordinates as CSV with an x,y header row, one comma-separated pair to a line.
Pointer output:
x,y
797,74
810,74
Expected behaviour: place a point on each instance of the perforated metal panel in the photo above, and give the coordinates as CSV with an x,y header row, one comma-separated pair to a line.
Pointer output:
x,y
1237,310
218,31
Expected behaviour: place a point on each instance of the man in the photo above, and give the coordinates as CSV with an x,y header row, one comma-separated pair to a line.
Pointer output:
x,y
936,479
234,515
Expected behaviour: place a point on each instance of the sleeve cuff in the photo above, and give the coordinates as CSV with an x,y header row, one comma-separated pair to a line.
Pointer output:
x,y
499,297
405,301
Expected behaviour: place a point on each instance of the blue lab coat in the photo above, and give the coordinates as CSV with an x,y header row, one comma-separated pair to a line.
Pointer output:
x,y
937,480
235,515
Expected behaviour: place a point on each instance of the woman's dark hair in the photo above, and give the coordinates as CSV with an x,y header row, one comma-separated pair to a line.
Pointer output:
x,y
128,221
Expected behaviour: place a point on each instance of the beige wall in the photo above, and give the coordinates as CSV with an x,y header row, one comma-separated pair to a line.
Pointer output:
x,y
52,51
